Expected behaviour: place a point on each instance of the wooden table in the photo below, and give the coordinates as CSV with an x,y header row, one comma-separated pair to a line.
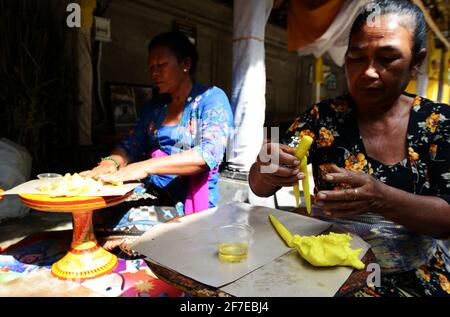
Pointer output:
x,y
355,282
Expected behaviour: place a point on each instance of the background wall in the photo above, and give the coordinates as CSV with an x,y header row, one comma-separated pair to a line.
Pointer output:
x,y
135,22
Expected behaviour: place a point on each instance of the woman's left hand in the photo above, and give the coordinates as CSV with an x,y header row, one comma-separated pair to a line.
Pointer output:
x,y
365,195
131,172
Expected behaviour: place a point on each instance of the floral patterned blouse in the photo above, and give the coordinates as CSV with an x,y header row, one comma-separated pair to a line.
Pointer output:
x,y
426,170
205,125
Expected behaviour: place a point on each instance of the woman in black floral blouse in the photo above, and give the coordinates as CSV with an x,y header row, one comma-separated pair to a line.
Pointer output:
x,y
381,157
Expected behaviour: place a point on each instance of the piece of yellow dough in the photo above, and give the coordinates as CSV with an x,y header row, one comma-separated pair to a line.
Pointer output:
x,y
74,185
301,152
71,185
324,250
328,250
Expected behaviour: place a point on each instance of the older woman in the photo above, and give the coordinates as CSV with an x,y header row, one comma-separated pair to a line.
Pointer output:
x,y
381,157
180,139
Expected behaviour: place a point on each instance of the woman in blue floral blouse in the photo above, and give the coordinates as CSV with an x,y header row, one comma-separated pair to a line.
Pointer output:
x,y
380,157
180,138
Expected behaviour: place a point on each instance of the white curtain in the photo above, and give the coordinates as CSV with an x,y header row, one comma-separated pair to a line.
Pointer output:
x,y
249,81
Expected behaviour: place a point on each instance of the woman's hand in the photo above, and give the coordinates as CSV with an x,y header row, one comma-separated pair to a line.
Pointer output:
x,y
276,166
104,167
108,165
365,195
131,172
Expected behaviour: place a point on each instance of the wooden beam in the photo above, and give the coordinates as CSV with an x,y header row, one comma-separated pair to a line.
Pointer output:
x,y
431,23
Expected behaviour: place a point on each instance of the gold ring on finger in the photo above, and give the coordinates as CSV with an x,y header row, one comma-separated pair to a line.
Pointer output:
x,y
355,196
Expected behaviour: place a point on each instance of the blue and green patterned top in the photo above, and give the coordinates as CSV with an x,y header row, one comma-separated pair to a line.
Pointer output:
x,y
205,125
426,170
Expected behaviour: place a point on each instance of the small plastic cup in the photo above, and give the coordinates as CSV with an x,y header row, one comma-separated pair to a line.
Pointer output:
x,y
233,242
48,178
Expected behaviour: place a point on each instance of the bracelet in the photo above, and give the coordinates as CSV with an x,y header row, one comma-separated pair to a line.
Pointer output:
x,y
109,158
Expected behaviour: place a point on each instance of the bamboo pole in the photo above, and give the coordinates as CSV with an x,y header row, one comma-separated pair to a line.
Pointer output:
x,y
431,23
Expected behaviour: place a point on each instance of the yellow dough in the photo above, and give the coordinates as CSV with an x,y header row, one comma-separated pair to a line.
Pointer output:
x,y
71,185
324,250
301,153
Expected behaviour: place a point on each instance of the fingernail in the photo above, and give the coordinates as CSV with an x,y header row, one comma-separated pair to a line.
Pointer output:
x,y
328,213
296,162
295,172
300,176
329,177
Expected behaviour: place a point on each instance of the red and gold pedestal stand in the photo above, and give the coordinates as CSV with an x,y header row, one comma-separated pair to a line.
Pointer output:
x,y
86,259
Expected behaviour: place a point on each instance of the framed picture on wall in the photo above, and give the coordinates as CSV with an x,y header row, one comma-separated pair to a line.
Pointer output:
x,y
125,104
142,95
330,80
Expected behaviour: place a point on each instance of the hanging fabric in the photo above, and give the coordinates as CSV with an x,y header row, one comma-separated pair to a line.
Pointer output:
x,y
317,27
308,20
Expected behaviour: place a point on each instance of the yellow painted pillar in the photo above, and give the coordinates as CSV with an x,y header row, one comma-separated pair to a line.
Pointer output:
x,y
434,70
87,10
318,76
412,87
446,79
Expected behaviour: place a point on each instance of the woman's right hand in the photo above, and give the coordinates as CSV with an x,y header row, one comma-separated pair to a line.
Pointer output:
x,y
103,168
276,166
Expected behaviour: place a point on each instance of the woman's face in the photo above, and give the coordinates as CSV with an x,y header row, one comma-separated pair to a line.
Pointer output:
x,y
167,72
378,63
